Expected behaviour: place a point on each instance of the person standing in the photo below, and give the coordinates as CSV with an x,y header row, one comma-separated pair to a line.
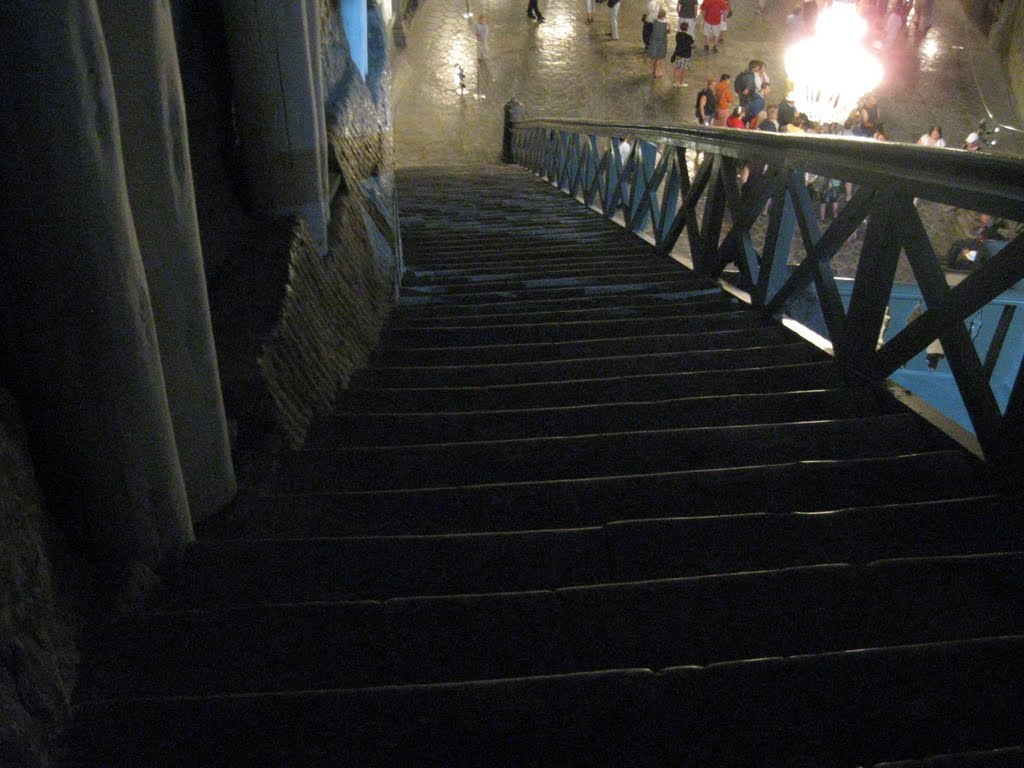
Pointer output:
x,y
755,104
712,11
590,11
533,11
681,55
707,104
771,120
787,111
723,95
736,119
657,45
687,11
483,33
933,138
613,18
650,16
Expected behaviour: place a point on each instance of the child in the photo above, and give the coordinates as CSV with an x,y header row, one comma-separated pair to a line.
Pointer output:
x,y
683,52
482,33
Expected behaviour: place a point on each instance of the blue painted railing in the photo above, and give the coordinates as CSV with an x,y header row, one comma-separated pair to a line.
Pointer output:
x,y
742,201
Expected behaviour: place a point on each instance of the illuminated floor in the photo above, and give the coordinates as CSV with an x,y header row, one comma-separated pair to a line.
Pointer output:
x,y
568,68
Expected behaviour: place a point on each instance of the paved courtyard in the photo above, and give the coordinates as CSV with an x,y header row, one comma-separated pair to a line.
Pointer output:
x,y
565,67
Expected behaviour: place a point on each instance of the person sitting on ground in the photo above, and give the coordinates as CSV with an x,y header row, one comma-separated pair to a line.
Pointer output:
x,y
983,242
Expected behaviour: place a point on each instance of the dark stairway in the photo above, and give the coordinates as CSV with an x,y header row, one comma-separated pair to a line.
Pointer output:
x,y
586,508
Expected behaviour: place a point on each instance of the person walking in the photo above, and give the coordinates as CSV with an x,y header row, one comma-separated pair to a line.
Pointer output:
x,y
533,11
483,33
681,55
657,45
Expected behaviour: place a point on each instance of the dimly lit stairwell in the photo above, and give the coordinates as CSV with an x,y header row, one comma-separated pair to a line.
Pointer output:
x,y
585,508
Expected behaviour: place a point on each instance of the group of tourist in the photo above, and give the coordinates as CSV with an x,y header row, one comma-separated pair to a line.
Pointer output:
x,y
710,16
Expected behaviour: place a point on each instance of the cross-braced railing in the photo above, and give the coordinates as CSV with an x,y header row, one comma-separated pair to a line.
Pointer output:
x,y
743,201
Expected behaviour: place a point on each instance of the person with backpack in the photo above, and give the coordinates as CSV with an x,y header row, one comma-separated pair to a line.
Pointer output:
x,y
745,83
707,104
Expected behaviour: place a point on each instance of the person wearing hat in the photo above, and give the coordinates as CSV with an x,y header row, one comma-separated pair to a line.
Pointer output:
x,y
973,142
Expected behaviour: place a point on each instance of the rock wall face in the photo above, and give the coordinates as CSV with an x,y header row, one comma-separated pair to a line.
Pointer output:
x,y
1002,22
1007,38
37,653
292,326
335,306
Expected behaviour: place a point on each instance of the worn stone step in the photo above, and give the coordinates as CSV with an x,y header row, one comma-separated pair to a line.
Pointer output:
x,y
589,719
451,314
652,548
771,378
524,330
352,428
652,624
1005,757
540,458
554,289
498,374
787,487
226,571
569,272
841,709
644,343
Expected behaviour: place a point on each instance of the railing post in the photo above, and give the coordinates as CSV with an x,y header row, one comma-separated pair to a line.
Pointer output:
x,y
514,112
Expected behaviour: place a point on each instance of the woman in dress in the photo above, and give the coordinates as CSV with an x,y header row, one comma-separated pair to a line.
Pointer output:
x,y
657,44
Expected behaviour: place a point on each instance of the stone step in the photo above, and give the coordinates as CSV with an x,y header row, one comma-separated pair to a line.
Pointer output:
x,y
554,289
624,387
352,428
652,624
583,369
690,546
542,458
525,331
452,314
797,486
839,709
615,345
233,572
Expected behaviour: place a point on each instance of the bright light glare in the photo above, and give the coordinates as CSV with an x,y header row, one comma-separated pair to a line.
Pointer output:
x,y
832,69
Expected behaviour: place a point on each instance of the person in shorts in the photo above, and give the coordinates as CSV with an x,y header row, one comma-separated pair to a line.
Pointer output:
x,y
681,55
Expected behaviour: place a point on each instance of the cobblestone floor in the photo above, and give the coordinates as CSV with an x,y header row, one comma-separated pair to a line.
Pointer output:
x,y
565,67
568,68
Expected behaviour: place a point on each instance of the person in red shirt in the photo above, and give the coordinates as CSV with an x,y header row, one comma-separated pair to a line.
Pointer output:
x,y
736,119
713,13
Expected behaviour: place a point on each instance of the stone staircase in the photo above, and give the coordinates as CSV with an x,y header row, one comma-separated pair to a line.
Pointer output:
x,y
585,509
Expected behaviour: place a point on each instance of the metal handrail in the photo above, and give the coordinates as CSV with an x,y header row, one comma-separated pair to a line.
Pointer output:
x,y
683,180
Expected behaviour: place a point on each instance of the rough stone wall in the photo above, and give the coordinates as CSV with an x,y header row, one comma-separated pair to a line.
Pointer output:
x,y
335,306
1007,38
37,652
1002,21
